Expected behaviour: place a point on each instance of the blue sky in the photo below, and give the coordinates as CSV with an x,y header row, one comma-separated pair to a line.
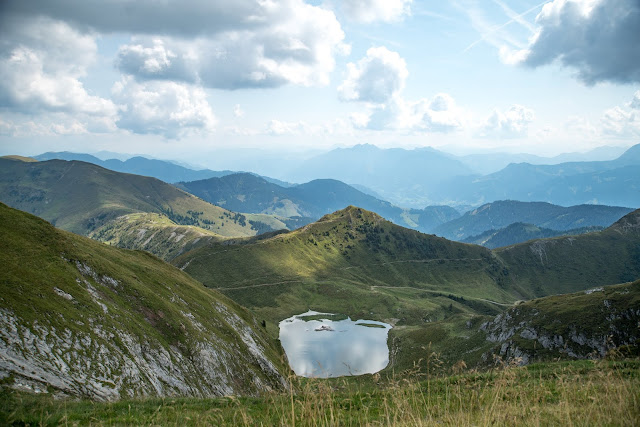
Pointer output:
x,y
185,79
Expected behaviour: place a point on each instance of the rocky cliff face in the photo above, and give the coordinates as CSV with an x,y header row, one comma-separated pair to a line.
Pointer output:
x,y
80,318
580,326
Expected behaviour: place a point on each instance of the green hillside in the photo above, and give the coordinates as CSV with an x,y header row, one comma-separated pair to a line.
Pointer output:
x,y
80,197
153,233
356,263
567,264
433,290
78,317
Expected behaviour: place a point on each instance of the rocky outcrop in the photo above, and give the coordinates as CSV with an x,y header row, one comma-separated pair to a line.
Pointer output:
x,y
578,326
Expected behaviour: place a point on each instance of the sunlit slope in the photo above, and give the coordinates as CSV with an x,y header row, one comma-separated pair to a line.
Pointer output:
x,y
570,263
79,197
82,318
153,233
352,260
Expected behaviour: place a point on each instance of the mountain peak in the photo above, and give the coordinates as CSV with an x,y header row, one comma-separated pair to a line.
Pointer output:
x,y
352,214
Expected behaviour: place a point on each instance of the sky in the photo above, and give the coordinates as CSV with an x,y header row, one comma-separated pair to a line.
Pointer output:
x,y
187,79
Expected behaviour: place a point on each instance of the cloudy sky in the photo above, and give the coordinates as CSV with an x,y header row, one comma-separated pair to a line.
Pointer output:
x,y
184,78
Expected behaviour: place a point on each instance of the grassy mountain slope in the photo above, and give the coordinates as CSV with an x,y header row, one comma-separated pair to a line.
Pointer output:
x,y
353,248
503,213
80,197
567,264
520,232
249,193
580,325
153,233
356,263
82,318
434,290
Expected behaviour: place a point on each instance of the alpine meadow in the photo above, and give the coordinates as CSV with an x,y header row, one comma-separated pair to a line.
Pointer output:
x,y
304,213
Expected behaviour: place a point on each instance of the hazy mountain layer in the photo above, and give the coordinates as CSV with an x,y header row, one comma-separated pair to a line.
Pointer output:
x,y
503,213
81,318
520,232
249,193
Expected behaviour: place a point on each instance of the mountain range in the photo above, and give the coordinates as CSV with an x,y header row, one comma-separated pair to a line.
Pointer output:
x,y
309,201
519,232
503,213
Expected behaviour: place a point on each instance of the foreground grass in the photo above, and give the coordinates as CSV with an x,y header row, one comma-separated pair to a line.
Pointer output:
x,y
568,393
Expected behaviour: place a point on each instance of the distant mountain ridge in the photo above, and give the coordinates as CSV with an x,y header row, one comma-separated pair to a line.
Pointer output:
x,y
503,213
404,177
161,169
248,193
613,182
519,232
168,171
421,177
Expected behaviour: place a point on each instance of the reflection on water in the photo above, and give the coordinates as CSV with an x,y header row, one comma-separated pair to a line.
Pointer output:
x,y
325,348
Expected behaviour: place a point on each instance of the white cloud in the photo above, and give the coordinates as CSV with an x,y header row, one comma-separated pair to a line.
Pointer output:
x,y
298,46
376,78
238,111
162,107
598,38
512,123
621,122
41,64
368,11
635,102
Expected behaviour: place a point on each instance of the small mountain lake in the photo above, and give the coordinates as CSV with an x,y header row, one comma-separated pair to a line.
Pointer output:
x,y
323,345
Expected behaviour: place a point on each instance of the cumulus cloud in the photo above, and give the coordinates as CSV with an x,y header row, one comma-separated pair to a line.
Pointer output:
x,y
512,123
377,80
368,11
635,102
623,121
441,114
598,38
41,64
163,108
259,44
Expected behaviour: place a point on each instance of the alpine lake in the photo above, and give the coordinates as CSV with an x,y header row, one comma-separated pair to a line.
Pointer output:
x,y
324,345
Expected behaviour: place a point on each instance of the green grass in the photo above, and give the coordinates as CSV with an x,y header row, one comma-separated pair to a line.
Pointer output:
x,y
153,233
430,289
568,393
83,320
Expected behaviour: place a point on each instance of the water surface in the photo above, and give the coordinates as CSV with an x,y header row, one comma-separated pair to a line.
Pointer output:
x,y
325,348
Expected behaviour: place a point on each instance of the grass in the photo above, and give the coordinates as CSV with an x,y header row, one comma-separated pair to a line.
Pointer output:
x,y
129,297
567,393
